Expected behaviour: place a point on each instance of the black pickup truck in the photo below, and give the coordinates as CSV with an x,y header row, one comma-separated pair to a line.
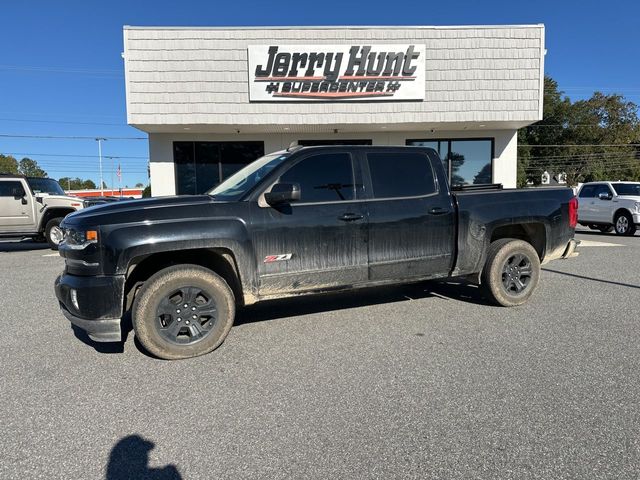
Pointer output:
x,y
306,220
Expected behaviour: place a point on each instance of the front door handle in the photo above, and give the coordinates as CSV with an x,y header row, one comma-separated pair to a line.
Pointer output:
x,y
350,217
438,211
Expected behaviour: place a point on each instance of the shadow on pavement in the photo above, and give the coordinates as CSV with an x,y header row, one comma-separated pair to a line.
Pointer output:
x,y
106,347
304,305
601,234
129,459
309,304
591,278
22,245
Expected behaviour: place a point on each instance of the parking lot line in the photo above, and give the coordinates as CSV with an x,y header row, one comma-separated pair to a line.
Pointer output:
x,y
593,243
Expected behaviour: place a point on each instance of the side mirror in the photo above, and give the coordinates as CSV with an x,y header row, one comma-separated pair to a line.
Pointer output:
x,y
20,195
604,196
283,193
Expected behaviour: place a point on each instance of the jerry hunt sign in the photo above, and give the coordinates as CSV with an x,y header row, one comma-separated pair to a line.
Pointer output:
x,y
294,73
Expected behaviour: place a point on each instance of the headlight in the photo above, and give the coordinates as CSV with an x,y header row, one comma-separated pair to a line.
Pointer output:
x,y
79,238
637,204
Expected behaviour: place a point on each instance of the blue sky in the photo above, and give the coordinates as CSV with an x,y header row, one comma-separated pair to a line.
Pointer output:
x,y
61,72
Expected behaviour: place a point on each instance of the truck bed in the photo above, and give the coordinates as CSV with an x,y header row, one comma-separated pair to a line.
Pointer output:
x,y
481,213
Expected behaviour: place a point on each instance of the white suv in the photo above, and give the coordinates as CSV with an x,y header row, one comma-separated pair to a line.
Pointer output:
x,y
606,206
34,207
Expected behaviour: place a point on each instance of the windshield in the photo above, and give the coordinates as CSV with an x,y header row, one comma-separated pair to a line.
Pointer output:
x,y
45,185
234,187
627,188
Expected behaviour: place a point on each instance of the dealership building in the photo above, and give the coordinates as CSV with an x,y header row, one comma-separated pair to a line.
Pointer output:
x,y
214,99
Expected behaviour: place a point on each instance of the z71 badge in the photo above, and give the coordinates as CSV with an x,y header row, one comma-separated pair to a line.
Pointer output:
x,y
277,258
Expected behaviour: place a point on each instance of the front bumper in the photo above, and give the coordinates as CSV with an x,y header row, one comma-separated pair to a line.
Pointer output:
x,y
636,219
105,330
94,304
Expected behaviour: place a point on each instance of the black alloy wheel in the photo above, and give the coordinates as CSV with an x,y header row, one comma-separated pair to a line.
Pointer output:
x,y
516,274
511,272
183,311
186,315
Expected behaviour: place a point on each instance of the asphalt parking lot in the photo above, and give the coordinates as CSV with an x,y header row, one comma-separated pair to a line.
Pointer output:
x,y
420,381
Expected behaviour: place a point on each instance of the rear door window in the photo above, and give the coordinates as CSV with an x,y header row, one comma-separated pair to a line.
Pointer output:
x,y
400,174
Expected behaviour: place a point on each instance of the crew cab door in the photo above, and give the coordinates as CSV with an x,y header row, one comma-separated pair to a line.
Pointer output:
x,y
411,215
586,200
16,207
602,210
318,241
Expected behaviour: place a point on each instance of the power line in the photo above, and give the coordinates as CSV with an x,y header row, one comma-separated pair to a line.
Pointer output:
x,y
31,68
49,114
60,122
597,157
576,164
578,155
49,137
566,127
77,156
570,145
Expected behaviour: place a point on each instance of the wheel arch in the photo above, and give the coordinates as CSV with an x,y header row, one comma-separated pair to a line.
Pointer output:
x,y
534,233
219,260
53,213
620,211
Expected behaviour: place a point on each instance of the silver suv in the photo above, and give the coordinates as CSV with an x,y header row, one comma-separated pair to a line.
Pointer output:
x,y
34,207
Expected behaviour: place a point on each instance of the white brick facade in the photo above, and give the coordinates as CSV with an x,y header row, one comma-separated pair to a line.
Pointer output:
x,y
482,81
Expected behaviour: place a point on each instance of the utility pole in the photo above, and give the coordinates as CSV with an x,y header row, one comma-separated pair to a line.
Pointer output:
x,y
113,166
99,140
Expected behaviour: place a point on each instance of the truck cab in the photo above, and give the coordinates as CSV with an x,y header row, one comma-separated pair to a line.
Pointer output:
x,y
34,207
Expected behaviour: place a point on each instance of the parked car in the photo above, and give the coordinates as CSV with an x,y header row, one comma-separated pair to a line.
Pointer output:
x,y
34,207
303,221
91,201
608,206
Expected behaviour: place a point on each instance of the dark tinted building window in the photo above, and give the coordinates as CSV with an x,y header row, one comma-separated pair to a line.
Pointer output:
x,y
323,178
203,165
468,162
406,174
11,189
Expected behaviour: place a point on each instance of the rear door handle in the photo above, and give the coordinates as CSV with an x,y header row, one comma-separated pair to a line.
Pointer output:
x,y
438,211
350,217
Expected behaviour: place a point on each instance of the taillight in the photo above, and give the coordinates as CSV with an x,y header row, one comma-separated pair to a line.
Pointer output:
x,y
573,212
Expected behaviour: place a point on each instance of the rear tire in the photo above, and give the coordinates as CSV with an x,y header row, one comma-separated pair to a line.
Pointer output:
x,y
511,272
623,223
53,233
170,330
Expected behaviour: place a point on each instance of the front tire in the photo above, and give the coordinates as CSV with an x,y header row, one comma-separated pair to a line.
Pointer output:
x,y
183,311
511,272
623,224
53,233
